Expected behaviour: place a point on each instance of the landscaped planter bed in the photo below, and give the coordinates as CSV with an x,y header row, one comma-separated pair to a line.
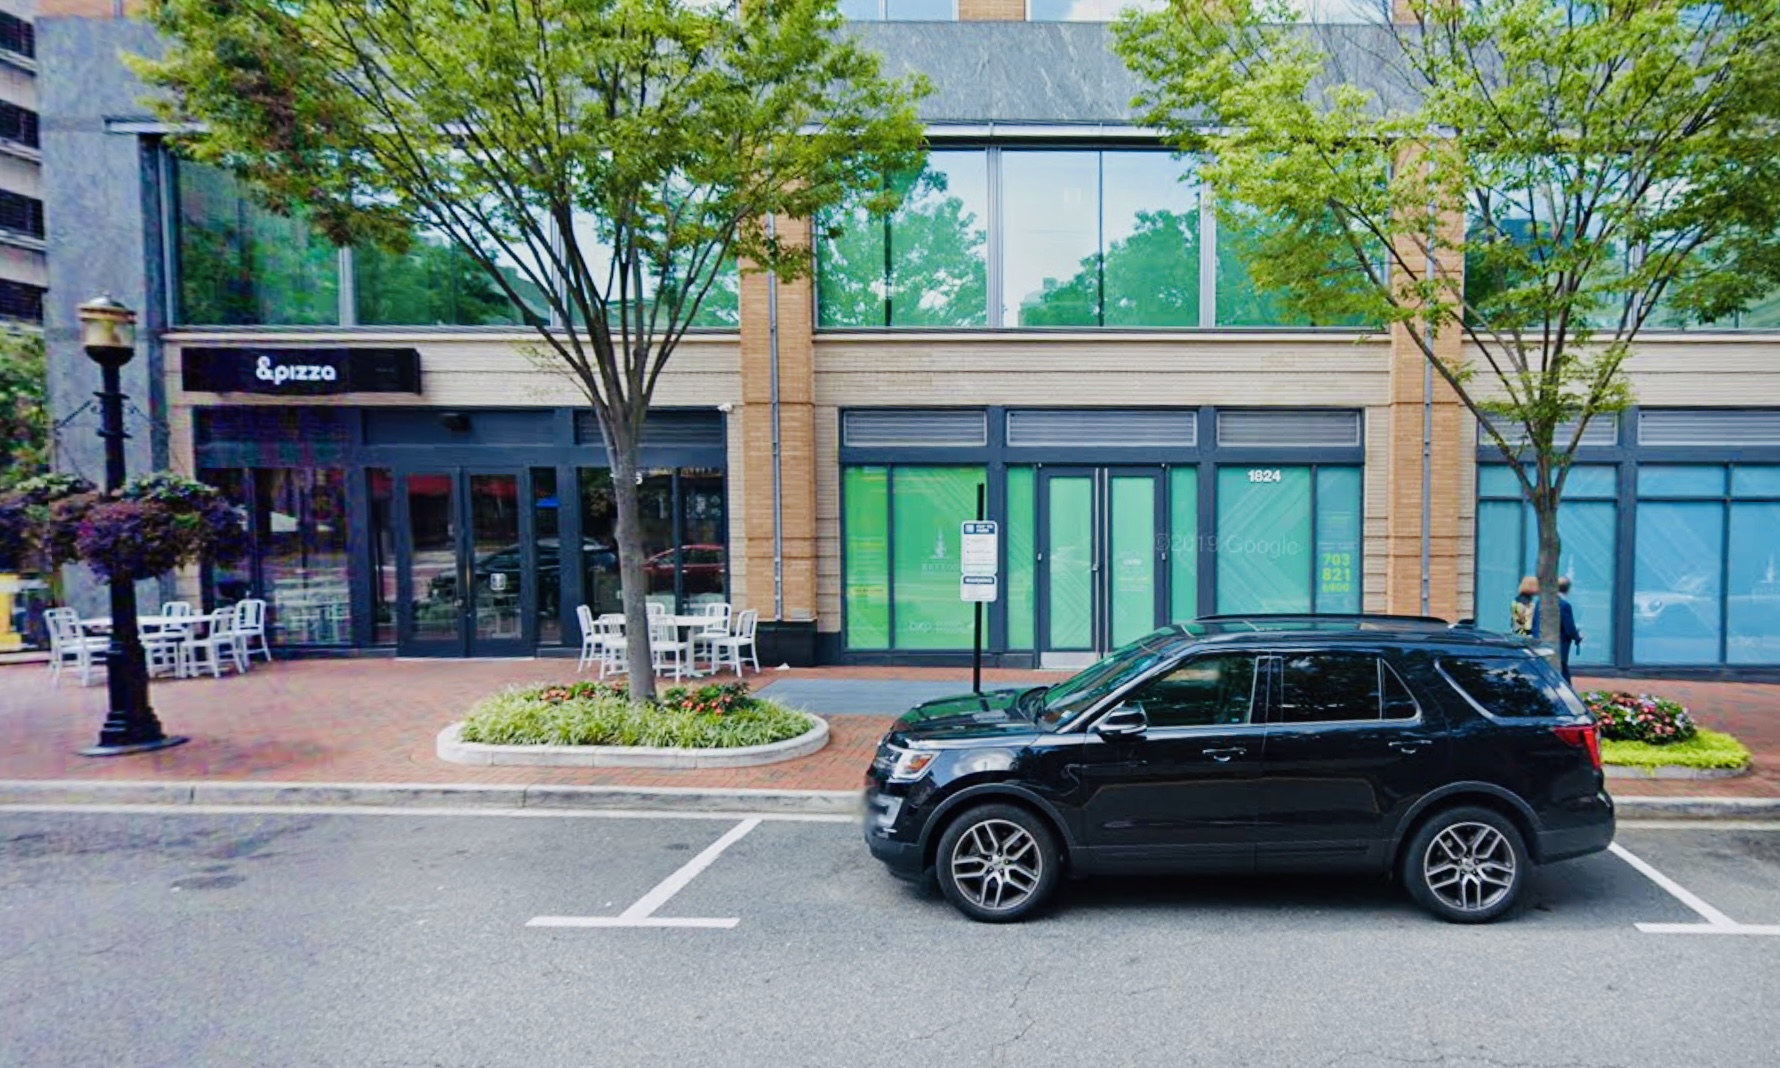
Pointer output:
x,y
1648,737
595,725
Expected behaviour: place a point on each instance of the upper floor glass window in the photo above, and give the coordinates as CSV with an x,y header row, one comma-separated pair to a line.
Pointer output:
x,y
242,264
1324,11
899,10
18,35
436,284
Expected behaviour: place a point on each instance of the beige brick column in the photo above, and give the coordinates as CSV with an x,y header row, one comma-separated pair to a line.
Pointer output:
x,y
991,10
797,442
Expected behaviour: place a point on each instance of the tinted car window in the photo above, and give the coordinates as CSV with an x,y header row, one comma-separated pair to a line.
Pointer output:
x,y
1398,702
1075,695
1202,692
1329,688
1514,687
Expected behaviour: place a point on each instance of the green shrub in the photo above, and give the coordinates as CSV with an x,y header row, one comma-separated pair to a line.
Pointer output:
x,y
1626,717
1706,749
599,713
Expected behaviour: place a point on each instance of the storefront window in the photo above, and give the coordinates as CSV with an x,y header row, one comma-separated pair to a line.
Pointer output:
x,y
1183,543
230,583
692,569
1680,556
1508,550
547,534
704,556
1022,545
240,264
1282,549
865,500
1752,614
920,508
383,556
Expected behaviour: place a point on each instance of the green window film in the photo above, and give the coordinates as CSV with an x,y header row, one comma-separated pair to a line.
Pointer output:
x,y
1183,543
928,505
241,264
1508,551
1752,616
865,494
1584,480
435,283
1264,539
1150,230
1069,562
1051,238
1338,539
1497,480
1022,547
1133,557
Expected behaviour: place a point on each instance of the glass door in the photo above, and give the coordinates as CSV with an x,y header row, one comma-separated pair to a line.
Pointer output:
x,y
465,565
1100,560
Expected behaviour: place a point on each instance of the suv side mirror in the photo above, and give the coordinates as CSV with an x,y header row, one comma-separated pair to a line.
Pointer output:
x,y
1125,721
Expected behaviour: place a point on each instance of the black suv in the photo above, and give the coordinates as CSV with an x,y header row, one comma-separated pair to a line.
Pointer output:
x,y
1454,757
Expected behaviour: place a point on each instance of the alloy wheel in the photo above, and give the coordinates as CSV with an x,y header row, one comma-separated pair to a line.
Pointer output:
x,y
1469,867
997,865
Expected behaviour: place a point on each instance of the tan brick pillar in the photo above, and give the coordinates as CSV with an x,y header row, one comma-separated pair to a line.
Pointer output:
x,y
1445,462
797,442
991,10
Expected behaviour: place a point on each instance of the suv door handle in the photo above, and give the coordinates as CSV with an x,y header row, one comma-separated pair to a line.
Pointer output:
x,y
1223,756
1409,745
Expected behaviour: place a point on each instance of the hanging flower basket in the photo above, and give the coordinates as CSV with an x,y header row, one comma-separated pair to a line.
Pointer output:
x,y
153,524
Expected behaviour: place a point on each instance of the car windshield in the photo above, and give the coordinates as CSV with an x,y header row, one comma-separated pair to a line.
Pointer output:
x,y
1067,700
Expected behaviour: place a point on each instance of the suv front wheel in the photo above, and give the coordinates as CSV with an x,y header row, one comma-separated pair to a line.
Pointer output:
x,y
1466,865
997,863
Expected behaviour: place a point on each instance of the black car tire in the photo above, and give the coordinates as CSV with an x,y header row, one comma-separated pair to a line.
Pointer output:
x,y
1467,865
997,863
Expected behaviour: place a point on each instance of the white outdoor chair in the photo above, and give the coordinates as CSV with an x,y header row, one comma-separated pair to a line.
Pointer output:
x,y
250,624
656,608
665,648
614,649
590,638
219,639
705,637
729,650
161,642
177,609
68,643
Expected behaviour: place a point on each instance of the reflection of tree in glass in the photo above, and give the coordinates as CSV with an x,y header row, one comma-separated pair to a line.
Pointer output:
x,y
433,284
1151,279
1245,237
242,265
934,274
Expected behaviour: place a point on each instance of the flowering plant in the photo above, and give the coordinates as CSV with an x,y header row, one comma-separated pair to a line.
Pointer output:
x,y
1628,717
714,699
30,533
153,524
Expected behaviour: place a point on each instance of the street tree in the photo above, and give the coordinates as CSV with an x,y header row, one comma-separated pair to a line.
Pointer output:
x,y
1544,181
24,407
603,162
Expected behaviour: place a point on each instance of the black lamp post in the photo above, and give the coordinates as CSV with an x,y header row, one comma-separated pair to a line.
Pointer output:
x,y
108,332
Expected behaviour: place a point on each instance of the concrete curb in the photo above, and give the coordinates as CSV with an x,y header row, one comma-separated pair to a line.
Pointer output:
x,y
1623,772
660,798
424,796
450,747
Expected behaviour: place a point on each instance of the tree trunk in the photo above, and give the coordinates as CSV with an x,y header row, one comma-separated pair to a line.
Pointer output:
x,y
623,451
1545,513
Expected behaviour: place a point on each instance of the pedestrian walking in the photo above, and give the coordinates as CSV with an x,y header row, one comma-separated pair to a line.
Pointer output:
x,y
1568,634
1524,603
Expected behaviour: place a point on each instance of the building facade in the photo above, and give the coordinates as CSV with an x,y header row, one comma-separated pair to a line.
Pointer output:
x,y
1054,323
24,274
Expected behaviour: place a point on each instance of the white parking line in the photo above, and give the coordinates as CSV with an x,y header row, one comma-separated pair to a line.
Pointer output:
x,y
162,809
641,914
1717,923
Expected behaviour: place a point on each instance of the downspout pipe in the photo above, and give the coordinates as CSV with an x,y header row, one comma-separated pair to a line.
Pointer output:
x,y
772,339
1428,444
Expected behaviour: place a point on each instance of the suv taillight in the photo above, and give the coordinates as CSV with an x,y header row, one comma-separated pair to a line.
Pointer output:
x,y
1588,737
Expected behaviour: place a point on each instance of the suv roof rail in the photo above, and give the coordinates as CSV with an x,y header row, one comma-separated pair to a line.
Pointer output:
x,y
1355,618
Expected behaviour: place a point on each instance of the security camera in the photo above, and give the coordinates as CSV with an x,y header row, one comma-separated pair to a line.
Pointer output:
x,y
726,408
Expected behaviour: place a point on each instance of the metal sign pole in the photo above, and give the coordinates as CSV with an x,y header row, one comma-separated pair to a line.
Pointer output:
x,y
976,645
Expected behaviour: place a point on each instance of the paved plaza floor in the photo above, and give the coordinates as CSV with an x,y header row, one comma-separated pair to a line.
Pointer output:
x,y
369,720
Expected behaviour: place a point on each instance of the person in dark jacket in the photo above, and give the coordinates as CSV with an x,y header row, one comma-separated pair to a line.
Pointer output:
x,y
1568,635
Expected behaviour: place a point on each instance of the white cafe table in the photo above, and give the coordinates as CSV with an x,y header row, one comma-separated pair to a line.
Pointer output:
x,y
144,622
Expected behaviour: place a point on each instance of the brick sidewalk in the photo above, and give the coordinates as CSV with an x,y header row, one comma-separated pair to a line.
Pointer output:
x,y
374,721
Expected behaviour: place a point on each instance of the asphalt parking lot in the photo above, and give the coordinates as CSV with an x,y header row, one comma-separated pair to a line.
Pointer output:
x,y
316,938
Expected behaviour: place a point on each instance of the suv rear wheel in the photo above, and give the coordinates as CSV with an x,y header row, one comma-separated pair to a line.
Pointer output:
x,y
997,863
1466,865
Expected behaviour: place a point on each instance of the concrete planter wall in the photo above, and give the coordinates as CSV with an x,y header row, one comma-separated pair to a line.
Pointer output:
x,y
1671,771
451,747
